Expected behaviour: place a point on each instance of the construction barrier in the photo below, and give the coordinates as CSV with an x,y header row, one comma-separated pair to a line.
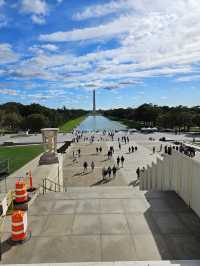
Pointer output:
x,y
21,194
19,226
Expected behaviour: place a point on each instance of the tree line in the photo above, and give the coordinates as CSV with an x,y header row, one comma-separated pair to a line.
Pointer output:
x,y
15,116
180,118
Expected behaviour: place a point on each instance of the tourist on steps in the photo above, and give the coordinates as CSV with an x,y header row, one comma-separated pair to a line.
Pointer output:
x,y
138,172
104,173
114,170
85,166
109,171
92,166
122,161
119,145
118,161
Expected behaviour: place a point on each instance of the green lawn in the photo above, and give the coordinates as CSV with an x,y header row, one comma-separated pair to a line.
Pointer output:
x,y
71,124
19,155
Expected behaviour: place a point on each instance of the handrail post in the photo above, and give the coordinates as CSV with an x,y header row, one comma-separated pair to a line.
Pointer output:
x,y
43,185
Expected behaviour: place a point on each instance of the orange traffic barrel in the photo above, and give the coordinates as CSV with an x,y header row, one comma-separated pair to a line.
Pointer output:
x,y
21,194
19,226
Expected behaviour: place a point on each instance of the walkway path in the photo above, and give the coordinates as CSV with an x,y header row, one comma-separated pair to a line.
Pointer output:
x,y
140,158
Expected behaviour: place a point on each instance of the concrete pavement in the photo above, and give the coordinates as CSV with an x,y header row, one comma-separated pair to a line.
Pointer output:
x,y
107,224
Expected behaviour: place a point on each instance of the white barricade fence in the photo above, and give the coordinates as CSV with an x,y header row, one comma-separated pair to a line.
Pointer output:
x,y
176,172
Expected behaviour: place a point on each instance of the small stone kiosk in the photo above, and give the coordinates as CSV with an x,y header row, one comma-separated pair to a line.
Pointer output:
x,y
49,137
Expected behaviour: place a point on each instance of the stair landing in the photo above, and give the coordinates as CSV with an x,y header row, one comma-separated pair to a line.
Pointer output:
x,y
107,224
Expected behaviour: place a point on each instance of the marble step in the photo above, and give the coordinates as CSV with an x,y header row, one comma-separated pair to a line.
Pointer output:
x,y
122,263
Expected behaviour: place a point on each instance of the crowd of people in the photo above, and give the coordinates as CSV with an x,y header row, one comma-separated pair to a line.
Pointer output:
x,y
108,172
85,166
187,150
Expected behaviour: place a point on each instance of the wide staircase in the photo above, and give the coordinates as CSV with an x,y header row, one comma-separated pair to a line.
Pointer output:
x,y
114,225
111,225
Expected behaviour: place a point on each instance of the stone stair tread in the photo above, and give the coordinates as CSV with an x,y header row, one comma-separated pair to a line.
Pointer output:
x,y
125,263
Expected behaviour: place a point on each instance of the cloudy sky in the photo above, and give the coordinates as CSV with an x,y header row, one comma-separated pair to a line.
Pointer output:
x,y
55,52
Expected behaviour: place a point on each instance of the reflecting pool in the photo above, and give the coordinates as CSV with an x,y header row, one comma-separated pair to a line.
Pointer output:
x,y
99,123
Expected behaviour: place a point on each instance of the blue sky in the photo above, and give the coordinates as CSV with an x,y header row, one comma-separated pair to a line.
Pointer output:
x,y
55,52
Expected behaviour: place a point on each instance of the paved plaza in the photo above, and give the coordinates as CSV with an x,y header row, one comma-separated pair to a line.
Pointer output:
x,y
73,174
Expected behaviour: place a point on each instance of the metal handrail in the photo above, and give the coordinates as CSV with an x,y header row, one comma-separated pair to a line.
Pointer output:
x,y
53,184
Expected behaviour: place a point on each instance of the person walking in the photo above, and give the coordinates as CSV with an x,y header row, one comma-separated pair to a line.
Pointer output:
x,y
114,170
109,170
79,152
138,172
132,149
104,173
100,149
122,161
97,149
92,166
119,145
118,161
129,149
154,149
85,165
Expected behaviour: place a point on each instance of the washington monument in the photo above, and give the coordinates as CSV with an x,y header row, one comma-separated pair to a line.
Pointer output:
x,y
94,102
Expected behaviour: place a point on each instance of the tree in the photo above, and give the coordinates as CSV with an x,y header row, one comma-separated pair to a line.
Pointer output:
x,y
12,121
35,122
147,113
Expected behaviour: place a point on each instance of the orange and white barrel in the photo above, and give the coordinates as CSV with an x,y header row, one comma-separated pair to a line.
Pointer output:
x,y
21,194
19,226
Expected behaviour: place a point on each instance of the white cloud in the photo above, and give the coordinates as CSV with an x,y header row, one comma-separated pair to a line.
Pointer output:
x,y
188,78
8,92
7,55
50,47
2,2
3,21
95,11
109,30
38,19
154,39
38,9
163,97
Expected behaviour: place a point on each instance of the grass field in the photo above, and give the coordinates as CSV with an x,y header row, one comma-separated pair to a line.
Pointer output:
x,y
19,155
69,125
